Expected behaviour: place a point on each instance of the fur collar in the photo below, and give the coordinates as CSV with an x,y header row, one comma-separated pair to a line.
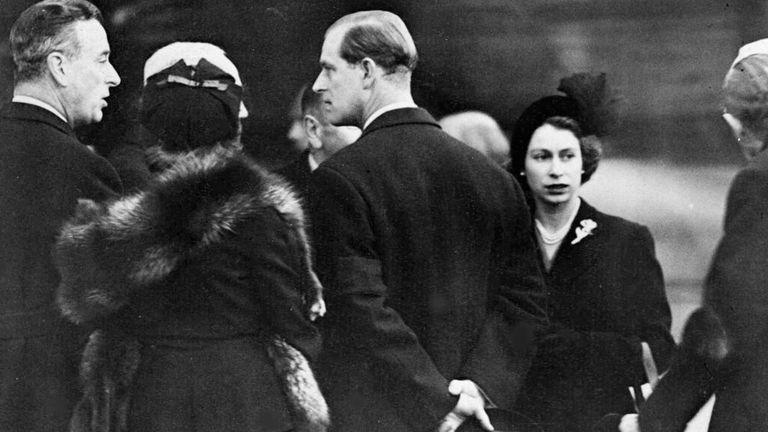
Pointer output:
x,y
107,252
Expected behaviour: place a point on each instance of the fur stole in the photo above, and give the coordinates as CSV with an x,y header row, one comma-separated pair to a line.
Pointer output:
x,y
106,253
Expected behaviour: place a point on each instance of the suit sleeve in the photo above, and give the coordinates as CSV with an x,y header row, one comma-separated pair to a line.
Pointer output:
x,y
503,354
351,272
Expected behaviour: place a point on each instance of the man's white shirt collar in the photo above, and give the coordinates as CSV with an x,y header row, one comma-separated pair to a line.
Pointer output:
x,y
37,102
385,108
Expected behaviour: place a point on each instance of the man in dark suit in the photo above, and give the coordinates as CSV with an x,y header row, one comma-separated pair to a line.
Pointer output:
x,y
63,76
426,255
323,140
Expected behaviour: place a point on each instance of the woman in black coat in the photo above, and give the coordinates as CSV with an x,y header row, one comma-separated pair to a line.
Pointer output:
x,y
199,286
725,343
606,297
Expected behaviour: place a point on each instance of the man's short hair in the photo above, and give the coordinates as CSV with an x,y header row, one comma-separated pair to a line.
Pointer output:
x,y
745,91
311,103
46,27
381,36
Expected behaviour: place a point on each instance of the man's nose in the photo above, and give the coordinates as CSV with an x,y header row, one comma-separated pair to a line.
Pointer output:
x,y
319,84
113,78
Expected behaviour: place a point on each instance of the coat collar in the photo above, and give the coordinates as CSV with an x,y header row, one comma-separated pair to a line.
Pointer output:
x,y
399,117
24,111
573,259
140,240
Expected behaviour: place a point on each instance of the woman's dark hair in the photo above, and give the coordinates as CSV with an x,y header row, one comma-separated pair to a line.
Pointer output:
x,y
46,27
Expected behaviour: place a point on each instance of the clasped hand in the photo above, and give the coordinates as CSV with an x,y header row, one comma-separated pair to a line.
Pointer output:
x,y
470,404
629,423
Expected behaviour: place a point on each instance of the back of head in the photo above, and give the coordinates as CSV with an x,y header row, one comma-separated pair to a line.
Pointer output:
x,y
192,96
43,28
379,35
312,104
479,131
745,91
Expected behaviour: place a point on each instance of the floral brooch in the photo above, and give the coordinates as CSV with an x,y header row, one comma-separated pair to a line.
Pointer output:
x,y
586,228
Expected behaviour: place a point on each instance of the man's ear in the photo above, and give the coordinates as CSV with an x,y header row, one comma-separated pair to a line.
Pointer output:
x,y
312,130
58,67
369,71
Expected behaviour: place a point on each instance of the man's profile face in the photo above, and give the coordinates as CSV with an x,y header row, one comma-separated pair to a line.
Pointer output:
x,y
340,84
92,75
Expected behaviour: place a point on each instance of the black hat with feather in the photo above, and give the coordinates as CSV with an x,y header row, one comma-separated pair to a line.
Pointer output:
x,y
588,100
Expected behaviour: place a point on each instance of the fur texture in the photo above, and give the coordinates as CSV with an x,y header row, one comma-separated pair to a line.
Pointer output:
x,y
106,253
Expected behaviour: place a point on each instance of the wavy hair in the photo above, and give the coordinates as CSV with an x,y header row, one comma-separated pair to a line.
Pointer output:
x,y
46,27
379,35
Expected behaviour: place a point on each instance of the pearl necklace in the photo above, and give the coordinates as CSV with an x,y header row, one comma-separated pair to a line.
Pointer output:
x,y
551,238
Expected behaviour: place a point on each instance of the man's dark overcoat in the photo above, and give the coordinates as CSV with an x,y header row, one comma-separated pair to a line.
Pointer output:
x,y
44,169
605,296
736,290
298,173
425,251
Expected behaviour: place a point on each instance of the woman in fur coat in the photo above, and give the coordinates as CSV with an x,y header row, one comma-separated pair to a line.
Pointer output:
x,y
199,287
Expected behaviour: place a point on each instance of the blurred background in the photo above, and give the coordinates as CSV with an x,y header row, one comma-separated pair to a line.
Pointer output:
x,y
668,166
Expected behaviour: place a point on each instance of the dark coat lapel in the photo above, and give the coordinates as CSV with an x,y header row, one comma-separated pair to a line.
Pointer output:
x,y
574,259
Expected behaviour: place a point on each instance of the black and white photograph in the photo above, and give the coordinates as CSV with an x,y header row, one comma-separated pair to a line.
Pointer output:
x,y
383,216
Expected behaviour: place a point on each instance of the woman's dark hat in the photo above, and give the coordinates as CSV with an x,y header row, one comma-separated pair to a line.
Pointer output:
x,y
194,101
587,99
503,421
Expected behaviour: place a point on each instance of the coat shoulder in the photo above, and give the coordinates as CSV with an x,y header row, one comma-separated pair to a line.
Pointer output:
x,y
107,252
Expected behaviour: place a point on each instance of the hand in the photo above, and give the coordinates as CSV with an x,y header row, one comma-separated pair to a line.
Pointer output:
x,y
451,422
629,423
470,404
317,309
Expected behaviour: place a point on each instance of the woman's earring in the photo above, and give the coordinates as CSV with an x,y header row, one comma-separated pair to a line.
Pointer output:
x,y
522,173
